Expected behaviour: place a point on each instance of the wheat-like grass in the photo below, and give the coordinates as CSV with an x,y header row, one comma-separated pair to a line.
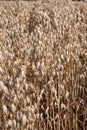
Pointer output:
x,y
43,65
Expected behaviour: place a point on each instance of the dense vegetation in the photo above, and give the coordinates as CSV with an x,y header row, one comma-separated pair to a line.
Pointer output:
x,y
43,66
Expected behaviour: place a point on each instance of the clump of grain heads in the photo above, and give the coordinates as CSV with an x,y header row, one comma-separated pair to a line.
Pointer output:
x,y
43,66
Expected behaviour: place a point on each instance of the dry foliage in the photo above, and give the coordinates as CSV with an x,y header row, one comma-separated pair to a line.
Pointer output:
x,y
43,66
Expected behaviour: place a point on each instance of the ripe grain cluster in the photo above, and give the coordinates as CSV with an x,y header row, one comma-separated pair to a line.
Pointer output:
x,y
43,65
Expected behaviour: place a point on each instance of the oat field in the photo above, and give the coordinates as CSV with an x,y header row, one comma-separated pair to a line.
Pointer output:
x,y
43,65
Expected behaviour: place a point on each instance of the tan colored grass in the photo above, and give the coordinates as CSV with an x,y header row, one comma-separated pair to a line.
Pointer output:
x,y
43,66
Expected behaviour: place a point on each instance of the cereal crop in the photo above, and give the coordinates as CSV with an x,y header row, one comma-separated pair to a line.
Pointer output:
x,y
43,65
